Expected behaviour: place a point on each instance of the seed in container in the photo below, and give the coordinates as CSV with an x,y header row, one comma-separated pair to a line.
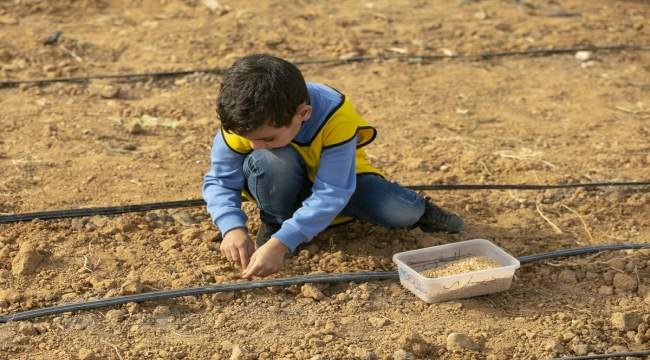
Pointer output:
x,y
462,266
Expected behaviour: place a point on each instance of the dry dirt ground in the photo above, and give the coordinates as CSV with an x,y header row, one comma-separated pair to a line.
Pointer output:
x,y
503,120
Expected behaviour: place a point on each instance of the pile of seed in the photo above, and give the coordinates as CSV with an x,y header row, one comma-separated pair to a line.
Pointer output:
x,y
470,264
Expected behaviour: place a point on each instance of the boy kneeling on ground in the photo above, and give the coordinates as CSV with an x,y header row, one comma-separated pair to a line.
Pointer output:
x,y
296,150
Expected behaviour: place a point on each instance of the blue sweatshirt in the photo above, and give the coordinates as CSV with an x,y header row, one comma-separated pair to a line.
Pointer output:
x,y
330,142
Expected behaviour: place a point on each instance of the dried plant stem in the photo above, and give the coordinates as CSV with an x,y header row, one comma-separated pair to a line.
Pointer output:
x,y
114,347
591,239
557,229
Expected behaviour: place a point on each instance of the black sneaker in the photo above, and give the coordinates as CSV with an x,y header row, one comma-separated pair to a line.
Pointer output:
x,y
264,234
437,219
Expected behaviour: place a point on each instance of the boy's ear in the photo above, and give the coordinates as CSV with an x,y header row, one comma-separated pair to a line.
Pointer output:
x,y
304,112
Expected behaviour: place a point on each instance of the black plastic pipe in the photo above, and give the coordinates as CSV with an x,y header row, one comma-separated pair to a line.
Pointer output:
x,y
256,284
112,210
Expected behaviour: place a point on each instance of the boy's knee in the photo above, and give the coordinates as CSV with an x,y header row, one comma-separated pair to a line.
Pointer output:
x,y
275,160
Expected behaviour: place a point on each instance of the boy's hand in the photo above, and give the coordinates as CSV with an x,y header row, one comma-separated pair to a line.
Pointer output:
x,y
237,246
268,259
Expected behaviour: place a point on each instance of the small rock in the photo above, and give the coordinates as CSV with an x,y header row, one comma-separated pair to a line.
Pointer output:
x,y
115,315
131,287
416,232
606,290
316,343
413,343
223,296
364,354
26,260
216,7
27,329
378,322
20,339
580,348
567,276
239,353
313,249
617,264
428,241
554,347
40,328
184,218
98,221
104,90
311,291
78,223
169,244
457,341
583,55
132,308
626,321
568,336
625,282
4,304
134,128
162,310
129,147
402,354
86,354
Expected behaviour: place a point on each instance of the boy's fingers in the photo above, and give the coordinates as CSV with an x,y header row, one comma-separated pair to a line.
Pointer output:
x,y
243,256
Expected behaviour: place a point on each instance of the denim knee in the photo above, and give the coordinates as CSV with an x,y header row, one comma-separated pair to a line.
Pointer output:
x,y
384,203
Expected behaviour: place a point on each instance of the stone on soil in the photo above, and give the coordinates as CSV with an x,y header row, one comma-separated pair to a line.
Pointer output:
x,y
131,287
378,322
115,315
162,310
457,341
27,328
626,321
402,354
311,291
625,282
26,260
86,354
413,343
554,347
239,353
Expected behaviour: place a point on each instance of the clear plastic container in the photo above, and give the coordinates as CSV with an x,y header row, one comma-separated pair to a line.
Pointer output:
x,y
411,263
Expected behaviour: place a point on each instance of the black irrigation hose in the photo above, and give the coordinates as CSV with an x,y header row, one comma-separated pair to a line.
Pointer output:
x,y
605,356
337,60
579,251
201,290
112,210
297,280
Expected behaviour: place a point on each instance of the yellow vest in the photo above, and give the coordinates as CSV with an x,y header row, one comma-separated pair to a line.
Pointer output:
x,y
342,126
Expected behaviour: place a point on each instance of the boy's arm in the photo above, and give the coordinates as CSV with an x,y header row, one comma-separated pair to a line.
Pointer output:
x,y
334,184
222,187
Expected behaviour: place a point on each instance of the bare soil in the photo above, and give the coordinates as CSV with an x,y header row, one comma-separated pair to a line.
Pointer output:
x,y
543,119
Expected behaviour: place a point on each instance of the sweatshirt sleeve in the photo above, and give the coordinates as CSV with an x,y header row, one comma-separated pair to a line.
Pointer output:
x,y
334,184
222,186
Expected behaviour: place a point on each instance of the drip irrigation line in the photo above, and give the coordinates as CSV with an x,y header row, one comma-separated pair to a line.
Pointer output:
x,y
257,284
523,186
113,210
579,251
339,61
606,356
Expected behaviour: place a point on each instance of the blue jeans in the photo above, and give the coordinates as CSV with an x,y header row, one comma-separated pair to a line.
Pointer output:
x,y
277,179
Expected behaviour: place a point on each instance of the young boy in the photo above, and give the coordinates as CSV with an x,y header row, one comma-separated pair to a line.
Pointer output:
x,y
296,150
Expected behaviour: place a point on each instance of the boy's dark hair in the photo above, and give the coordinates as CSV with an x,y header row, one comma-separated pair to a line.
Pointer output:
x,y
257,90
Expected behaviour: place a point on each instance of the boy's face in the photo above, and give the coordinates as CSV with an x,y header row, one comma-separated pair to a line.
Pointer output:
x,y
268,137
